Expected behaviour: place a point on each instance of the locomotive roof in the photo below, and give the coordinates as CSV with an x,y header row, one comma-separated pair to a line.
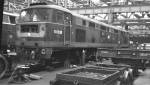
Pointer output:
x,y
11,14
77,15
98,22
51,6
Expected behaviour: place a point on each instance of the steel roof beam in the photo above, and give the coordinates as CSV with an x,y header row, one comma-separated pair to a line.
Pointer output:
x,y
132,24
112,9
141,21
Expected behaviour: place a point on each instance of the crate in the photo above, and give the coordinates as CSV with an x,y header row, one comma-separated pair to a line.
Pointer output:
x,y
88,76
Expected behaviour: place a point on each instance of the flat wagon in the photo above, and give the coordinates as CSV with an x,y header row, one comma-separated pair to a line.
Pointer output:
x,y
101,74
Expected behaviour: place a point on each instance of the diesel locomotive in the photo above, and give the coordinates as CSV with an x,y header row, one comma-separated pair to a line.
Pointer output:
x,y
7,41
51,30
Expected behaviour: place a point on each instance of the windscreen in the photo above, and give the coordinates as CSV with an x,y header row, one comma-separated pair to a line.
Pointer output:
x,y
35,15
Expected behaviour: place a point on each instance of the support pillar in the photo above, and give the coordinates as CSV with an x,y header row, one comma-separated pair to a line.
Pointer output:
x,y
83,57
67,60
97,55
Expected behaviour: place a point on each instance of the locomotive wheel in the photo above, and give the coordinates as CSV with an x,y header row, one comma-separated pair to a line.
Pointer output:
x,y
3,66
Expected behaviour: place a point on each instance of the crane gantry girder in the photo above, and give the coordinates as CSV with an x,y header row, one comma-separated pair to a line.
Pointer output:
x,y
131,22
112,9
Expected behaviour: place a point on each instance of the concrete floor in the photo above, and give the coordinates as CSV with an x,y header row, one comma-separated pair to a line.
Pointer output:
x,y
46,77
144,78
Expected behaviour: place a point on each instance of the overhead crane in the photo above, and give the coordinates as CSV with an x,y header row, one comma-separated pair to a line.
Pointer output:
x,y
114,9
130,13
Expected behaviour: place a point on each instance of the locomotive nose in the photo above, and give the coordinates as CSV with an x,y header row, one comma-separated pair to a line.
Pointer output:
x,y
31,30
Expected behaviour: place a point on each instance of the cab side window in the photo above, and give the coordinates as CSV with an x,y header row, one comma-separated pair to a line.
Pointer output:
x,y
67,18
5,18
12,19
57,16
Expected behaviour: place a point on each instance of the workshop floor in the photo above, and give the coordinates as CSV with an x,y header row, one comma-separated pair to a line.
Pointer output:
x,y
50,75
46,77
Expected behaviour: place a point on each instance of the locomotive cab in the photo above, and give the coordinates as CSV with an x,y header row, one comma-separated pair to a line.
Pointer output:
x,y
8,32
45,27
43,23
7,42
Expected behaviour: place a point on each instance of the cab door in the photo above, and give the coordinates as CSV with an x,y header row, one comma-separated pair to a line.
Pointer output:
x,y
67,37
67,28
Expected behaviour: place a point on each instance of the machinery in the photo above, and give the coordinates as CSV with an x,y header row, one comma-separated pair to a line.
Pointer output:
x,y
137,56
